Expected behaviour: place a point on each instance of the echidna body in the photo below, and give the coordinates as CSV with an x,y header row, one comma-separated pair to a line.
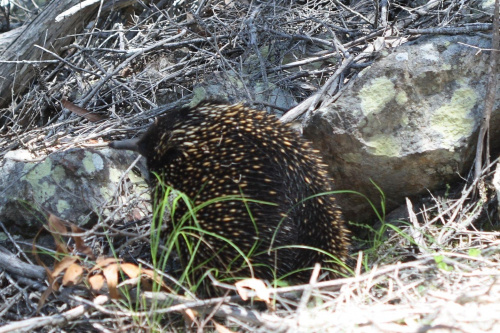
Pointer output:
x,y
213,151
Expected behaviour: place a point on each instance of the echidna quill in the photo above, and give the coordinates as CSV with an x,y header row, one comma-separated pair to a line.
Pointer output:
x,y
263,179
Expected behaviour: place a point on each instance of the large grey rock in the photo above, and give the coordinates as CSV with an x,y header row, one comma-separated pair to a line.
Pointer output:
x,y
74,185
409,122
230,87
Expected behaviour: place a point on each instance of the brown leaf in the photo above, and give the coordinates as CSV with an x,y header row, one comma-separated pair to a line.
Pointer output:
x,y
102,262
111,268
57,228
63,264
134,272
56,224
157,278
81,111
59,267
131,270
190,316
73,275
96,282
80,245
136,215
254,284
221,328
110,272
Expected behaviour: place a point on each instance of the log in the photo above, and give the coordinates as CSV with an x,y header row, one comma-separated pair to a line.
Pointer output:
x,y
50,30
14,265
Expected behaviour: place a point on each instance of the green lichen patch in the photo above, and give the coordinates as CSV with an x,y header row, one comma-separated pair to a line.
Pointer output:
x,y
92,162
59,174
199,94
446,67
405,120
453,120
375,96
106,193
35,172
353,158
401,98
43,191
384,145
136,180
88,163
35,175
487,4
114,174
62,206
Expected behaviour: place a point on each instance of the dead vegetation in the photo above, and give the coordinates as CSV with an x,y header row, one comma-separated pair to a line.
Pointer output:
x,y
434,271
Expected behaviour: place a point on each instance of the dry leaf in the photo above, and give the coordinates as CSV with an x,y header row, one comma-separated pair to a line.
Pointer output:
x,y
81,111
96,282
63,264
221,328
56,224
110,272
190,316
80,245
73,275
102,262
136,215
57,228
131,270
157,278
254,284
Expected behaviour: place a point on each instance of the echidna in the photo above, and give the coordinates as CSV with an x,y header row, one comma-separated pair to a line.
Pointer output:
x,y
265,180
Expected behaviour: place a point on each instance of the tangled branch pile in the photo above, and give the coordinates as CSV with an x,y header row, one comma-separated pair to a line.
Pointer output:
x,y
124,66
131,65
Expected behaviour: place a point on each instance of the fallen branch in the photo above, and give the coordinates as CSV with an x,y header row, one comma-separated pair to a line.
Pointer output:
x,y
31,324
452,30
12,264
483,138
313,100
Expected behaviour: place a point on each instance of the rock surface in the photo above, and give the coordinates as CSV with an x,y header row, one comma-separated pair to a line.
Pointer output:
x,y
74,185
409,122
